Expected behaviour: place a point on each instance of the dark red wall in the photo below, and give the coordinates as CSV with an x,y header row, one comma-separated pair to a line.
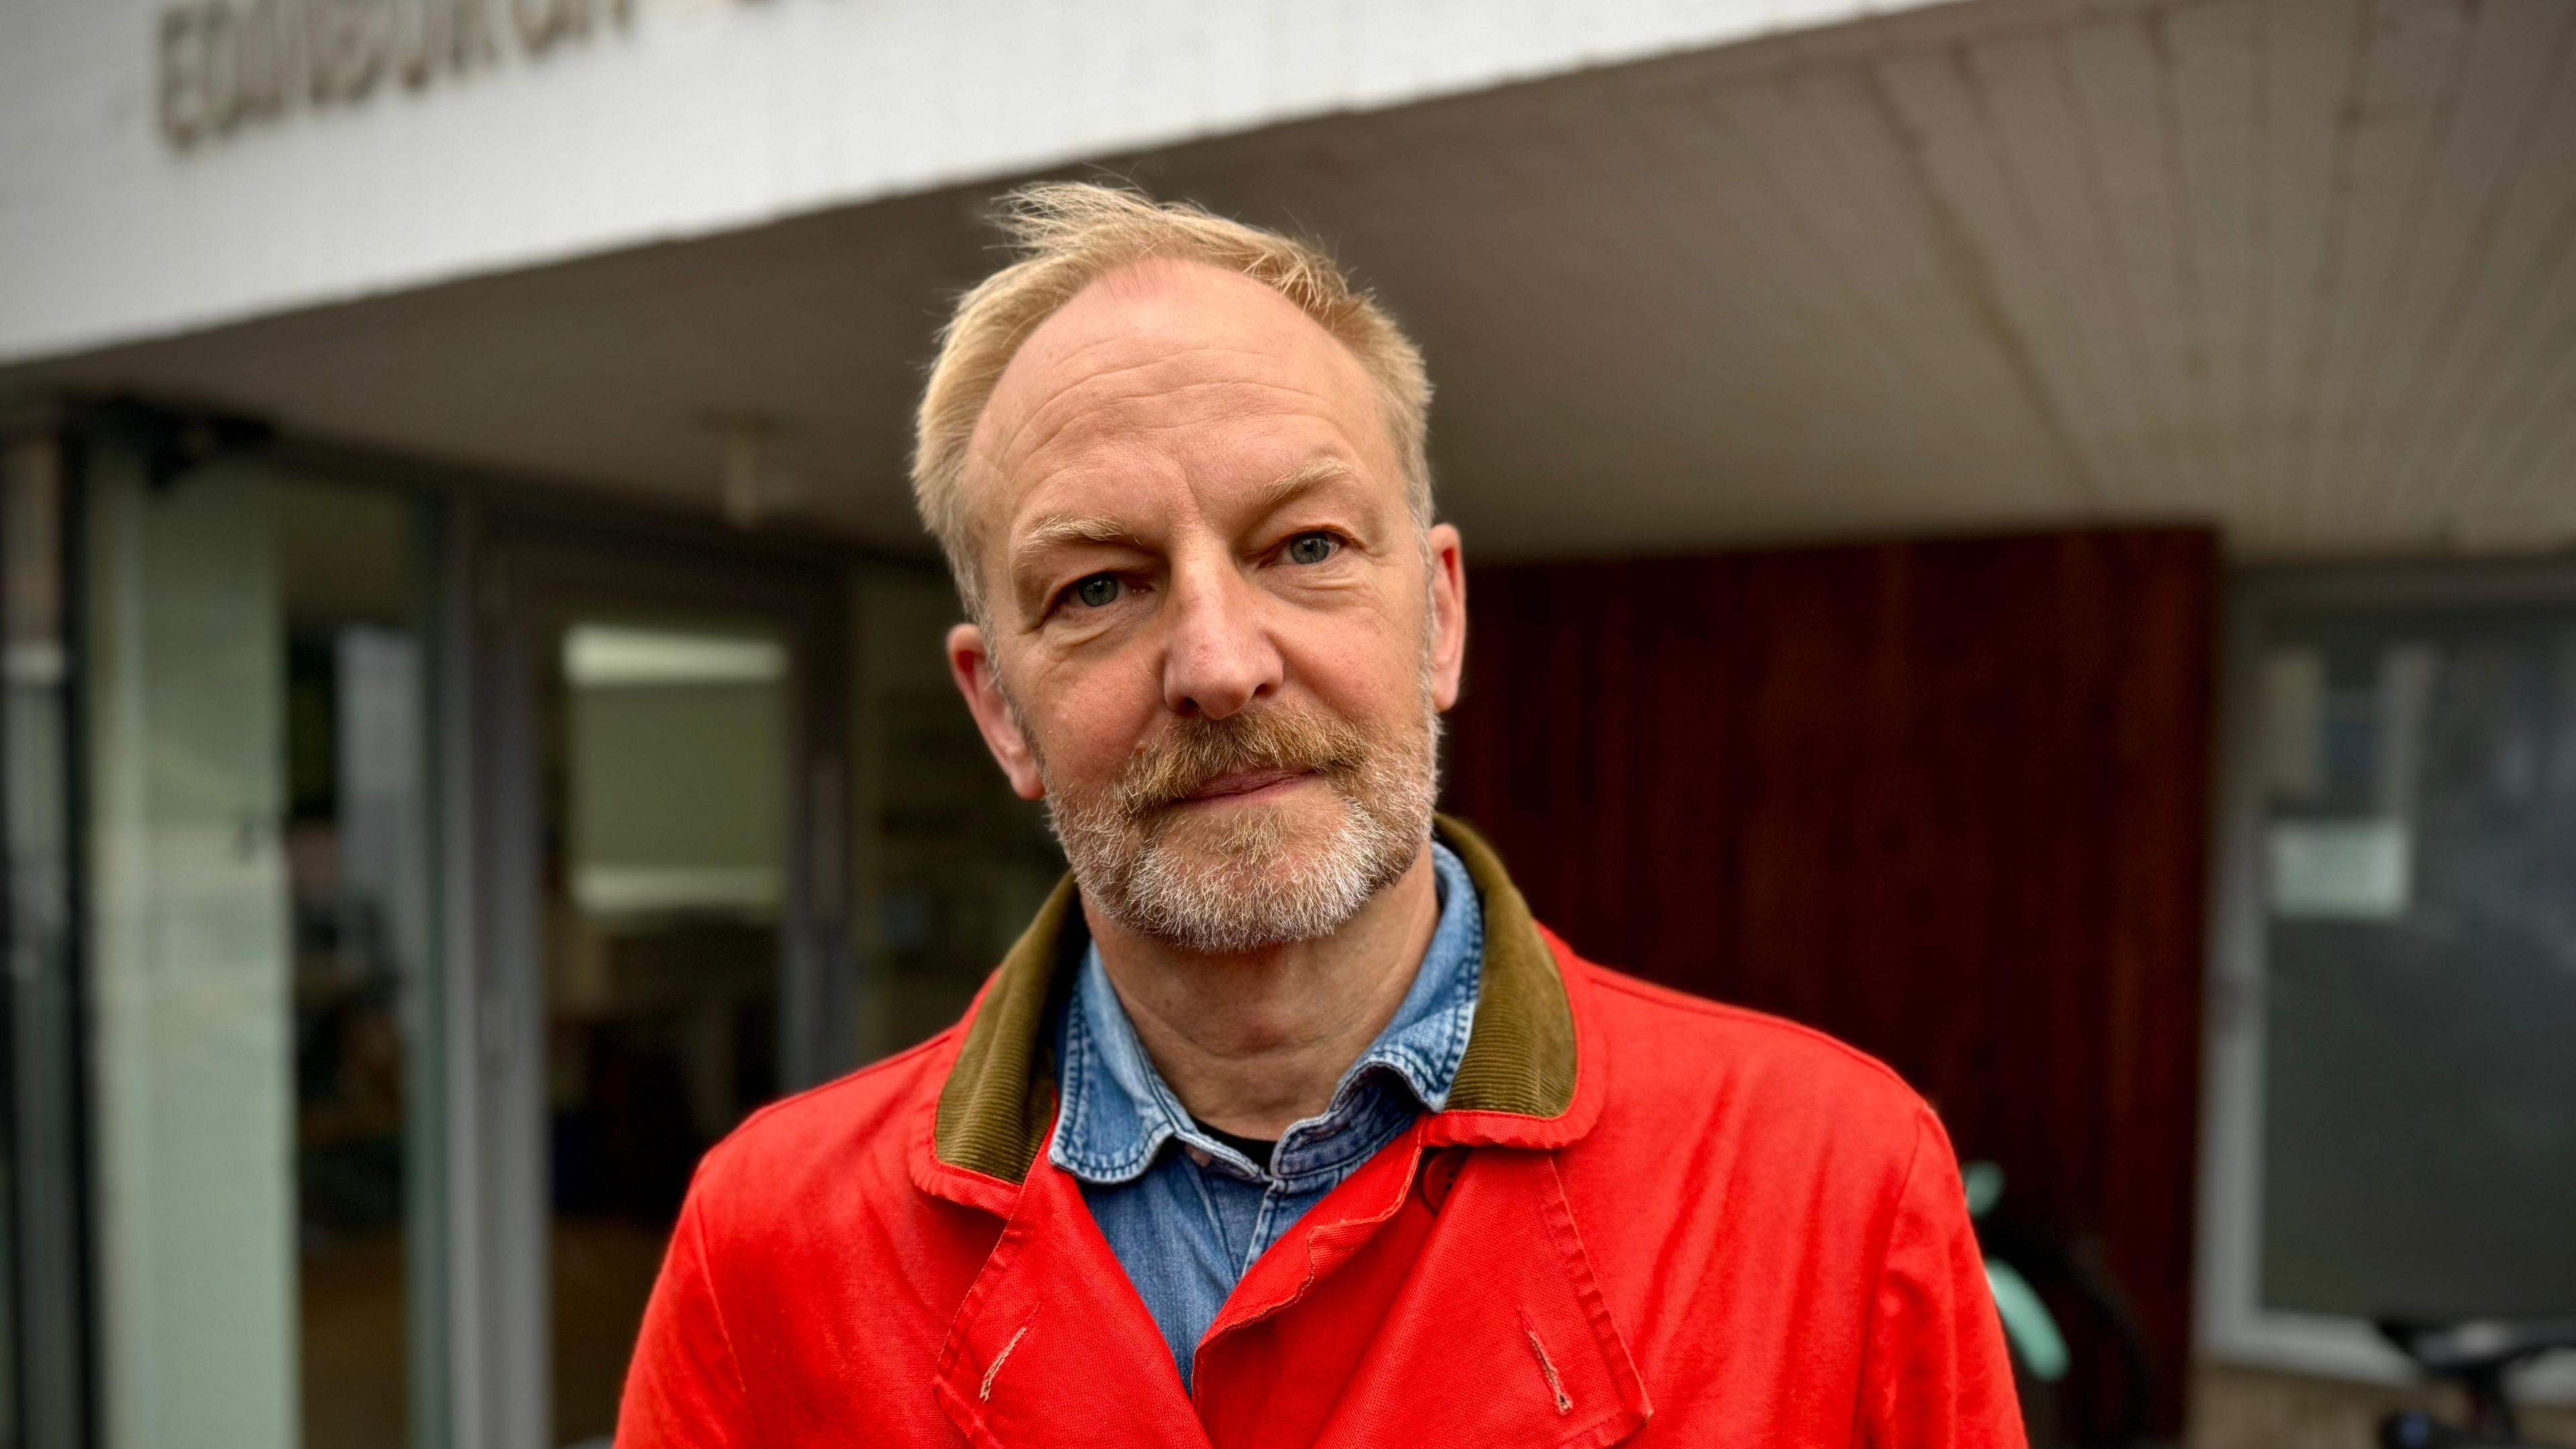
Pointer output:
x,y
1946,800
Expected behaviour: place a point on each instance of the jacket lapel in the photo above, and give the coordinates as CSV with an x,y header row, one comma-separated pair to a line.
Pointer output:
x,y
1053,1347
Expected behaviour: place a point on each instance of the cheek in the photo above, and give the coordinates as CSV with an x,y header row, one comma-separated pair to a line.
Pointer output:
x,y
1089,717
1362,673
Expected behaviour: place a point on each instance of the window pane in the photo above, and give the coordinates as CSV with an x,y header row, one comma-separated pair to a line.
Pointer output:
x,y
666,828
264,1051
190,974
8,1262
366,1059
39,1051
2420,1019
951,864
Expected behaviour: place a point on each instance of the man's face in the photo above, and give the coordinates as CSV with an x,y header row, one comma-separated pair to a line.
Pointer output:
x,y
1216,642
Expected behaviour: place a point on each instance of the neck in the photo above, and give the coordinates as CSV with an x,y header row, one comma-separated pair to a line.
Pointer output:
x,y
1254,1043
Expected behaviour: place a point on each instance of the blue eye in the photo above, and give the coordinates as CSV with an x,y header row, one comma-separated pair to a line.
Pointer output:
x,y
1098,591
1312,548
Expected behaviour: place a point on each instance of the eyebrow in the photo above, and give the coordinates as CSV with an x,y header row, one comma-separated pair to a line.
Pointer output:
x,y
1061,528
1315,472
1055,530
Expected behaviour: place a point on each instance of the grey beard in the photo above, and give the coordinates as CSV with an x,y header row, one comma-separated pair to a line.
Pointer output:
x,y
1241,886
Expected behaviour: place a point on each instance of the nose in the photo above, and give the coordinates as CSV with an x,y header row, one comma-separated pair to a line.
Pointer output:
x,y
1220,657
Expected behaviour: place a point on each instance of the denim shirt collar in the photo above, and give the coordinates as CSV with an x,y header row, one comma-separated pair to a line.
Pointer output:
x,y
1117,1112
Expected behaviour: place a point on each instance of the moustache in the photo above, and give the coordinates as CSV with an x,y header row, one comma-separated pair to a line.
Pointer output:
x,y
1197,751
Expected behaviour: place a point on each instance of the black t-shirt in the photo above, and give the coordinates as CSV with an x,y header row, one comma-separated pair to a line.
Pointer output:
x,y
1251,1147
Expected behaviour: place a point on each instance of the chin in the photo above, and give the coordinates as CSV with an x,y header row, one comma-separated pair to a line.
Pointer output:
x,y
1257,837
1246,877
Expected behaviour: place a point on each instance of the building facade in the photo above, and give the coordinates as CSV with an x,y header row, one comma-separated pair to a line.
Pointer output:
x,y
475,728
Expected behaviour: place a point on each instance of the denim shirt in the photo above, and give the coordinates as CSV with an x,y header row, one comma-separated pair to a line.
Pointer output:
x,y
1186,1233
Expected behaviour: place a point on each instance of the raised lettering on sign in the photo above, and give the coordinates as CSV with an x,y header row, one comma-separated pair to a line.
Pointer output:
x,y
224,64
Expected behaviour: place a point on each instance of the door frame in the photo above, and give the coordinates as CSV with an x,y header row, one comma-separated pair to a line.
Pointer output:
x,y
518,572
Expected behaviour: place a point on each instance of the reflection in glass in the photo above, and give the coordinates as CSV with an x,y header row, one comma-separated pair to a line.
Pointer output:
x,y
358,875
666,829
39,1377
263,1042
950,864
2419,1150
189,969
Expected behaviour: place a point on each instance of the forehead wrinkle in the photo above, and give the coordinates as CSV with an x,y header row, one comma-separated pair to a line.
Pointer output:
x,y
1036,444
1334,357
1121,340
1039,427
1074,356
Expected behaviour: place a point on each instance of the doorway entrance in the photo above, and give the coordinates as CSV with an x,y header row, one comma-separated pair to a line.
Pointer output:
x,y
668,946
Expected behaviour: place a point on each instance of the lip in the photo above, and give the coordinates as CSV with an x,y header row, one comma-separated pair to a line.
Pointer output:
x,y
1244,785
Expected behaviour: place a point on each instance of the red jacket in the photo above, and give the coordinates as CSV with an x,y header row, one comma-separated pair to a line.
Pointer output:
x,y
1643,1219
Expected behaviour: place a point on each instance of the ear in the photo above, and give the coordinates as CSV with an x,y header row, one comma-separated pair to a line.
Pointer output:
x,y
971,665
1448,614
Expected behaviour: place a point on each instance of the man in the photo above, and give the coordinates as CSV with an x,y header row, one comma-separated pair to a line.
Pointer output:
x,y
1284,1124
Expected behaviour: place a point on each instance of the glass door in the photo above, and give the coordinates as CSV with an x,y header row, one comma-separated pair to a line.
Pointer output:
x,y
265,1051
671,919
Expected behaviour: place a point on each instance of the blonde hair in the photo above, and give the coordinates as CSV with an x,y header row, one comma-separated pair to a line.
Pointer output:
x,y
1070,234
